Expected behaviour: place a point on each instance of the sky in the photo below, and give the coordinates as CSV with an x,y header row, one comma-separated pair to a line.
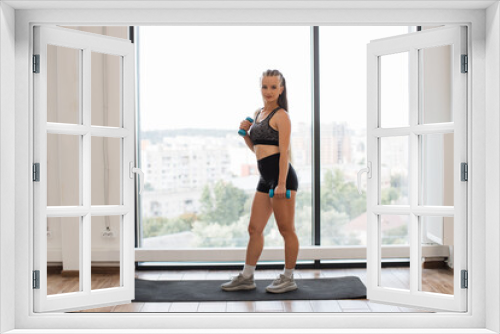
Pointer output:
x,y
209,76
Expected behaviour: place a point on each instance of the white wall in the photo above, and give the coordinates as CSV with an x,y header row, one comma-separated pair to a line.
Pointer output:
x,y
7,160
492,164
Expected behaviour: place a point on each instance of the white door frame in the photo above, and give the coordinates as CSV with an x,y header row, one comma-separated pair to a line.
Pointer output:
x,y
475,318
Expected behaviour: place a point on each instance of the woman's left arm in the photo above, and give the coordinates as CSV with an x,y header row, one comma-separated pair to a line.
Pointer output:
x,y
284,127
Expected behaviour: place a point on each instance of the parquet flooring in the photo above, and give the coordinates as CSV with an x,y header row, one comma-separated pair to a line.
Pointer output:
x,y
434,280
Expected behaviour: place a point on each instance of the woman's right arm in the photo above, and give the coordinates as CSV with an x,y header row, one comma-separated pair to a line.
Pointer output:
x,y
249,143
246,126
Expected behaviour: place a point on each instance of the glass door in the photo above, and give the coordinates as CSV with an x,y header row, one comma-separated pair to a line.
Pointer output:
x,y
84,157
417,144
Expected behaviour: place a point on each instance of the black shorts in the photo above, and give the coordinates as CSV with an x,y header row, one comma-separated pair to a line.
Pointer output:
x,y
269,168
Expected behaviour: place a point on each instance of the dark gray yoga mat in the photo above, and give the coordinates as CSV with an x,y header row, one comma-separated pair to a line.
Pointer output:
x,y
348,287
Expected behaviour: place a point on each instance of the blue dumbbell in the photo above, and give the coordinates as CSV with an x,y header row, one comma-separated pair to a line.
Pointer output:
x,y
288,193
242,132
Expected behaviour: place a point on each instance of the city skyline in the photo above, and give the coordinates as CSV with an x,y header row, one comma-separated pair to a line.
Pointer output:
x,y
183,163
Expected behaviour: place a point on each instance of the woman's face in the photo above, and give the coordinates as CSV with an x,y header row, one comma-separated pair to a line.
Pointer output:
x,y
271,88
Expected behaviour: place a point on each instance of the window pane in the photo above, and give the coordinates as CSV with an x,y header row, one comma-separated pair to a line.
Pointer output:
x,y
63,85
394,171
106,232
302,163
436,249
394,90
436,168
63,170
394,233
106,170
63,255
200,176
435,81
343,130
106,89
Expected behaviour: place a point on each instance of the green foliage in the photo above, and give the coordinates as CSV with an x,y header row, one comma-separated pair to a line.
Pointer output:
x,y
332,223
207,203
341,196
225,214
389,195
396,236
225,206
398,188
156,226
209,234
303,227
303,200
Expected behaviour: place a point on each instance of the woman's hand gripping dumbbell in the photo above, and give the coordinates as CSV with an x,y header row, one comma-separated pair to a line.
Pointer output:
x,y
288,193
244,126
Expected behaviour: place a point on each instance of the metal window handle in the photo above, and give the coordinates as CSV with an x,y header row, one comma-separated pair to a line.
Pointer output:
x,y
136,170
368,172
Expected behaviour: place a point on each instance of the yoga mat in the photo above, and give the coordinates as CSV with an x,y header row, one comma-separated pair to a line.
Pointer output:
x,y
348,287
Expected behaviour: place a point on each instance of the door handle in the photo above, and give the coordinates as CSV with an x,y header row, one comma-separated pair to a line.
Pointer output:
x,y
136,170
368,172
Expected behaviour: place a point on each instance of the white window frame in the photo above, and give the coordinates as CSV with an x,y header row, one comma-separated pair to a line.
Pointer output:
x,y
483,146
85,44
411,46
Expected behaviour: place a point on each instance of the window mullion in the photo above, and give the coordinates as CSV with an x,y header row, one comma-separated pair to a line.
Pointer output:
x,y
86,167
316,140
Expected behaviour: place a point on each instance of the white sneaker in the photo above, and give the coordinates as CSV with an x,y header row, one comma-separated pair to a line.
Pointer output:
x,y
239,283
282,284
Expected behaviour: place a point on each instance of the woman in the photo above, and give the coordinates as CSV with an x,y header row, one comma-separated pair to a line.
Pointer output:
x,y
269,139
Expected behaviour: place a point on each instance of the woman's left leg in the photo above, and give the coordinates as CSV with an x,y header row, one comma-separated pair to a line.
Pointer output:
x,y
284,212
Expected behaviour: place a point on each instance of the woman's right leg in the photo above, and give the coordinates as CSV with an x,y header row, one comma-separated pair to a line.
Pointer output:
x,y
260,213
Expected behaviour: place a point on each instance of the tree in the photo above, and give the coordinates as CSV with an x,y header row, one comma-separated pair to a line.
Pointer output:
x,y
341,195
389,195
225,214
303,199
397,235
400,183
207,203
210,234
332,228
225,206
155,226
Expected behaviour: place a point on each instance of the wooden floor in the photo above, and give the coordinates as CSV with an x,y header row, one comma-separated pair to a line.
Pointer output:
x,y
434,280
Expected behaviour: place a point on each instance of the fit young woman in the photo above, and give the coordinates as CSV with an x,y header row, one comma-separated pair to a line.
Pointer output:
x,y
269,139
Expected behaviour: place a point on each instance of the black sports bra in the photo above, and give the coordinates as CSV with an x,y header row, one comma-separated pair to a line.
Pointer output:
x,y
263,133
